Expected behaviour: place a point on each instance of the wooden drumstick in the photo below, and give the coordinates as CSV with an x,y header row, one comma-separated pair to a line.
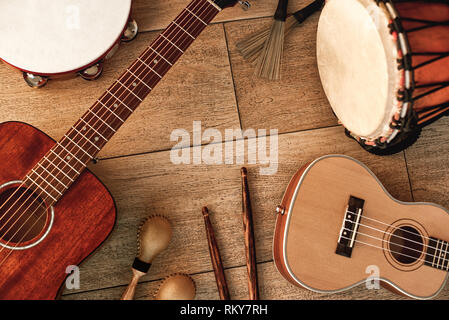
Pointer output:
x,y
215,258
153,237
250,246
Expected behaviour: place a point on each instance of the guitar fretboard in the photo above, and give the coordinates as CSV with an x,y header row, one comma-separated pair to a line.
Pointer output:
x,y
60,167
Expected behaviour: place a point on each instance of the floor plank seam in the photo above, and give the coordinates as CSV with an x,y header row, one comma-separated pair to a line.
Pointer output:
x,y
212,23
408,176
160,279
207,143
232,76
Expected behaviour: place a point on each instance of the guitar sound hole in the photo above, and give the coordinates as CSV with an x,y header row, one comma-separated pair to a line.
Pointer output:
x,y
406,244
23,215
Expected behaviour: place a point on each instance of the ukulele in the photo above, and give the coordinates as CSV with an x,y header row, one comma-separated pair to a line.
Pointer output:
x,y
54,212
337,225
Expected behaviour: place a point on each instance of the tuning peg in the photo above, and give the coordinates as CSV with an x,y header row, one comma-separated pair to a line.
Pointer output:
x,y
245,5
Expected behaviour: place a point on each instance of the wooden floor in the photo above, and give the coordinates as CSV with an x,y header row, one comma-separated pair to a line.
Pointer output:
x,y
214,85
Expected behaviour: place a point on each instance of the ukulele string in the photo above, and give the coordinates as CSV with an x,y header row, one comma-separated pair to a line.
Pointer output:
x,y
391,251
406,247
394,228
166,45
95,104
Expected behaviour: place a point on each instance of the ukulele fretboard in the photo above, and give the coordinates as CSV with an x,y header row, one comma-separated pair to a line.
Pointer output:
x,y
60,167
437,255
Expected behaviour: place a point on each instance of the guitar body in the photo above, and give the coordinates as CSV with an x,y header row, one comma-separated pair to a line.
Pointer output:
x,y
83,218
392,239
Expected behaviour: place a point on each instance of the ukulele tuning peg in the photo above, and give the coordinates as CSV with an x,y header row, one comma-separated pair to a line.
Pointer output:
x,y
245,5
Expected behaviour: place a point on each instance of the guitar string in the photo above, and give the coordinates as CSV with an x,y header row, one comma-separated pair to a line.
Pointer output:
x,y
391,251
191,18
184,15
409,248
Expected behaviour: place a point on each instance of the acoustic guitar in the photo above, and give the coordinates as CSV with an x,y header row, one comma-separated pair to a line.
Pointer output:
x,y
338,227
54,212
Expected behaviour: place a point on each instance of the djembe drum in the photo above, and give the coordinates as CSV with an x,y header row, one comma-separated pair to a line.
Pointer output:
x,y
384,66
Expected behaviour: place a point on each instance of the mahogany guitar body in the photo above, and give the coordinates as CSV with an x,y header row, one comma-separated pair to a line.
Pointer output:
x,y
82,220
392,238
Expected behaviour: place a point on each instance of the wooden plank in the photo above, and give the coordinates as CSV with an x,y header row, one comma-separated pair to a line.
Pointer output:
x,y
156,15
199,87
272,286
428,163
297,102
150,184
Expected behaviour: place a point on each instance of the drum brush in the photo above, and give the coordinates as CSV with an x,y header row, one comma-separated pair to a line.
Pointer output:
x,y
269,60
251,47
153,237
176,287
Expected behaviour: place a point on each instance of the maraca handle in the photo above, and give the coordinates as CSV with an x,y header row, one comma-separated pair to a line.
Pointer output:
x,y
131,289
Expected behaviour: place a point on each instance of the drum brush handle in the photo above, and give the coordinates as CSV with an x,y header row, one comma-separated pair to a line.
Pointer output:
x,y
281,10
302,14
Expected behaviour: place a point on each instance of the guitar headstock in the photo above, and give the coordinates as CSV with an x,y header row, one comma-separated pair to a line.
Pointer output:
x,y
230,3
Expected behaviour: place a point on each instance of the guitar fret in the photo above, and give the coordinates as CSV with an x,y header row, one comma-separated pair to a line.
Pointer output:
x,y
53,176
196,16
66,136
72,156
129,90
106,140
102,120
50,162
119,101
149,67
160,55
435,253
143,82
48,183
65,162
87,139
111,111
162,35
184,30
41,188
444,257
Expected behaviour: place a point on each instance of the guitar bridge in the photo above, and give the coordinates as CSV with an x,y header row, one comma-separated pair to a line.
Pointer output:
x,y
350,225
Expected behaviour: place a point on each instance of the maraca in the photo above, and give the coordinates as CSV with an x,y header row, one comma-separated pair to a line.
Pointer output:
x,y
153,237
176,287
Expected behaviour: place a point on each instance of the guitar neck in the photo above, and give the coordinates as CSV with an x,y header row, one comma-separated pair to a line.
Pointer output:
x,y
60,167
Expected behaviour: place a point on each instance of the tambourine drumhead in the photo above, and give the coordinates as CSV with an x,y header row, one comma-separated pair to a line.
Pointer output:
x,y
58,36
357,65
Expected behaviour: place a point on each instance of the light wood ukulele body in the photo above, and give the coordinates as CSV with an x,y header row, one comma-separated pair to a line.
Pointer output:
x,y
337,223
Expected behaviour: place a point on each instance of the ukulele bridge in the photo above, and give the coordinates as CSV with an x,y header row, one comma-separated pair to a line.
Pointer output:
x,y
349,227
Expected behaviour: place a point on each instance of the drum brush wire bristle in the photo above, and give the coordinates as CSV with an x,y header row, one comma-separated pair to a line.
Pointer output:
x,y
251,47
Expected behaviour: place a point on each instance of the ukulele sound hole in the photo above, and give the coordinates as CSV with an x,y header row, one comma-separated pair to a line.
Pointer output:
x,y
23,216
406,244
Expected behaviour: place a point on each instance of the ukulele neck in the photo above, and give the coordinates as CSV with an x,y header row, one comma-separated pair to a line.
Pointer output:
x,y
62,165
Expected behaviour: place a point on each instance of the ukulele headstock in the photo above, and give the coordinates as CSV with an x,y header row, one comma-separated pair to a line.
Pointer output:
x,y
230,3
